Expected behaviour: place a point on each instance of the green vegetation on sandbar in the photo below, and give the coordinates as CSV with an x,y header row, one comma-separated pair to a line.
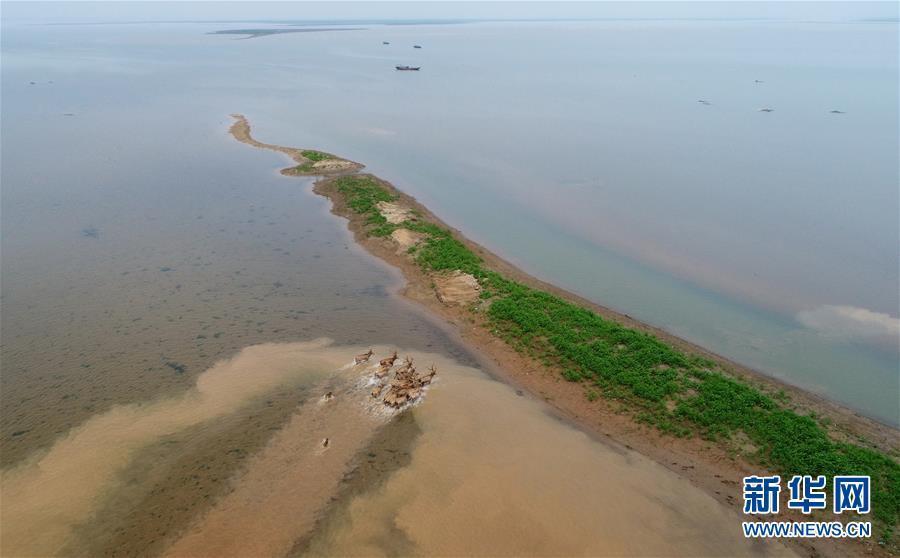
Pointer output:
x,y
441,252
680,394
363,194
312,157
315,156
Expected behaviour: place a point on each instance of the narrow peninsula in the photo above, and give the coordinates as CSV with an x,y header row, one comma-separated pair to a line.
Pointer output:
x,y
711,420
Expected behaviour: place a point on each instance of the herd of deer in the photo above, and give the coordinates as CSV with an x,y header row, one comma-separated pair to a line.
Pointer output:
x,y
407,383
404,388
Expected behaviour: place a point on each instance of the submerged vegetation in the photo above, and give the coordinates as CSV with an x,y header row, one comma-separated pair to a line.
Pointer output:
x,y
680,394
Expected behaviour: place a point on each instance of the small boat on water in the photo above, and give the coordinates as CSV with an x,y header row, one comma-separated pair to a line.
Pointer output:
x,y
408,68
385,42
417,46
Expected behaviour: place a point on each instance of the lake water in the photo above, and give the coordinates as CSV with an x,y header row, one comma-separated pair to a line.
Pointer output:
x,y
141,244
581,153
577,150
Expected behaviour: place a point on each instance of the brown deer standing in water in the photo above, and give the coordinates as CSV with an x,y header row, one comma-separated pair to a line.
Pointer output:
x,y
389,361
359,359
428,377
407,363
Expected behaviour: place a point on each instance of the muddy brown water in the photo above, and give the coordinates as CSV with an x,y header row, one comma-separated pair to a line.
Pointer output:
x,y
494,474
490,473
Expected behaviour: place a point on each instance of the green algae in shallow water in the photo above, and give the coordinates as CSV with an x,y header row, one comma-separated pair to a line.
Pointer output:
x,y
680,394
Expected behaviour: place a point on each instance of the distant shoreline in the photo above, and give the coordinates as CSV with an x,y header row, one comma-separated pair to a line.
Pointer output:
x,y
717,468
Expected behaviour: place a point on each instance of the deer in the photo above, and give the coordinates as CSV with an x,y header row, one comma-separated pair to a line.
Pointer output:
x,y
407,364
432,371
359,359
389,361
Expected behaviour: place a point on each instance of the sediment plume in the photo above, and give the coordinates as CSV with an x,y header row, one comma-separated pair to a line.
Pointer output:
x,y
492,474
287,485
48,495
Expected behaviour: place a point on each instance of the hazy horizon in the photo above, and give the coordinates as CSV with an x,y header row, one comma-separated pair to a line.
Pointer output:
x,y
74,11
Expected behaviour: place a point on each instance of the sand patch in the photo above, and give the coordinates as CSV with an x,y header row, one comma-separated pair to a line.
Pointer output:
x,y
285,487
395,213
406,239
333,165
457,288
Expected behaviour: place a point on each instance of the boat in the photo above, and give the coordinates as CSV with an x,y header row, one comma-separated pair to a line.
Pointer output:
x,y
408,68
417,46
385,43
